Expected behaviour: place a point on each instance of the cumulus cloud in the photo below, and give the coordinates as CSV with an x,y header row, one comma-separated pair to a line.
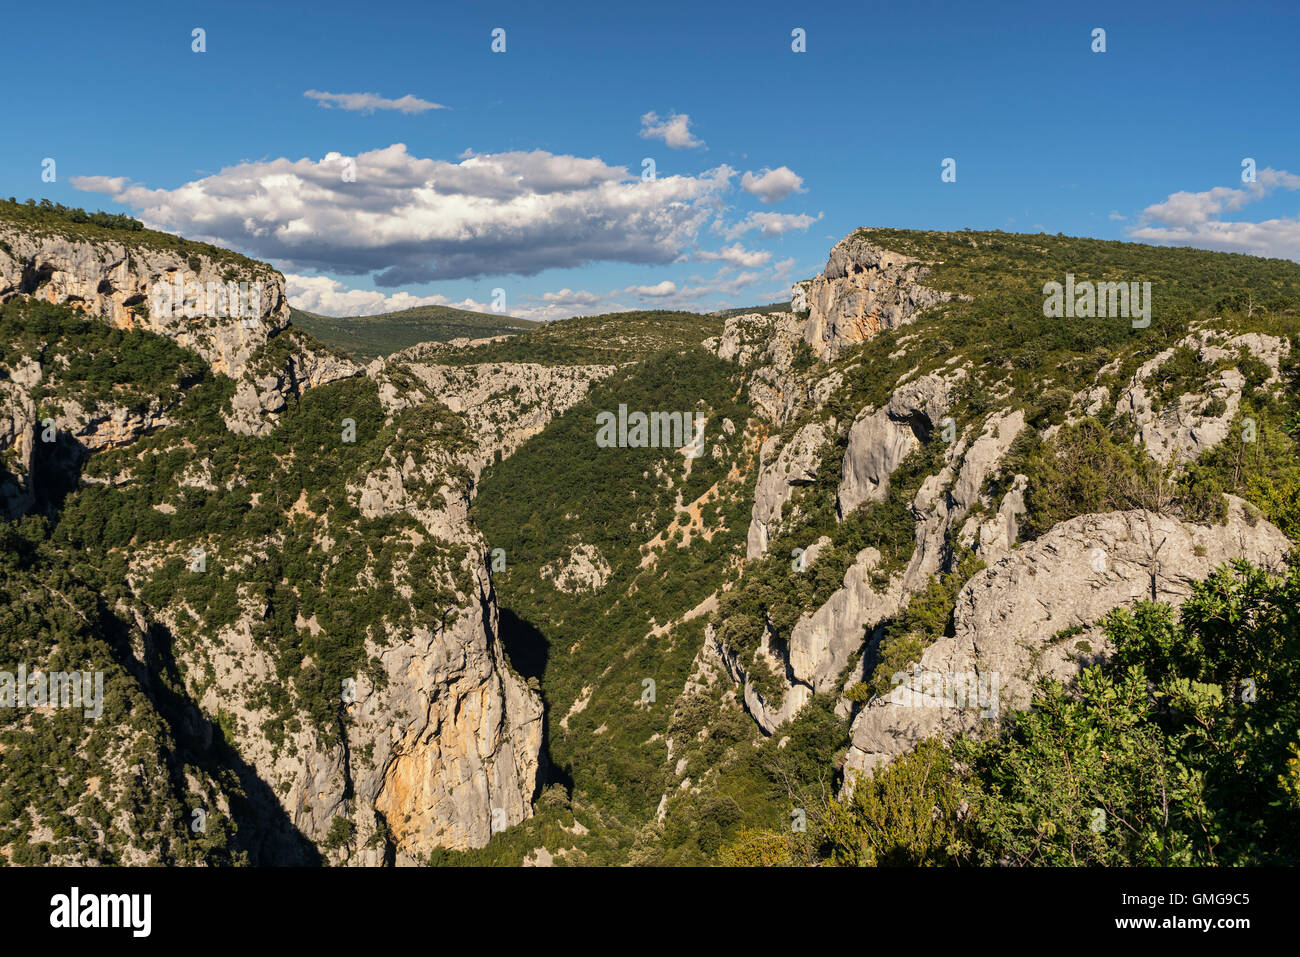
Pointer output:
x,y
99,184
570,297
657,291
770,224
369,102
329,297
725,289
675,131
1195,219
409,219
737,255
772,185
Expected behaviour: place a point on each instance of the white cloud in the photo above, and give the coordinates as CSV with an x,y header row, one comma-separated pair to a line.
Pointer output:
x,y
1192,219
770,224
571,297
701,294
369,102
737,255
409,219
772,185
329,297
675,131
99,184
657,291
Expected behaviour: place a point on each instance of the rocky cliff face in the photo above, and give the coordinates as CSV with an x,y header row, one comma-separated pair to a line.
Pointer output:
x,y
18,428
1036,613
766,345
437,741
1180,429
779,473
119,282
503,403
863,289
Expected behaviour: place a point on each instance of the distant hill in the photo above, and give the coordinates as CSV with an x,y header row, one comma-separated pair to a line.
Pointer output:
x,y
612,337
750,310
369,337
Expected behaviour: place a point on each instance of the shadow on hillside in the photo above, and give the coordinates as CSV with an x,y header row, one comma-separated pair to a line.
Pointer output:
x,y
528,650
262,827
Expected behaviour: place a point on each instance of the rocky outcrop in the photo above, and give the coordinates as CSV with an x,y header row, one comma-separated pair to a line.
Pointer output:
x,y
585,570
944,499
767,345
880,439
504,404
18,432
123,282
1199,419
461,761
863,289
995,537
109,426
780,472
1037,612
825,641
294,365
443,752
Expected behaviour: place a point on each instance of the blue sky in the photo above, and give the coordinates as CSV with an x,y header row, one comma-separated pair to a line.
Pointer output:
x,y
522,170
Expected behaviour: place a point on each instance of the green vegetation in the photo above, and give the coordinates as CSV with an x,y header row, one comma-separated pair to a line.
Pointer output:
x,y
46,211
47,218
1162,740
1178,751
599,646
615,338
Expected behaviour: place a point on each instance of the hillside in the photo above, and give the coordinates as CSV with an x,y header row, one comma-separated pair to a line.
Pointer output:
x,y
908,453
369,337
913,572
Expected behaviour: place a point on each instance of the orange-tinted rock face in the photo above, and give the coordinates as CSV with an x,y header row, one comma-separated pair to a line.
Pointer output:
x,y
863,290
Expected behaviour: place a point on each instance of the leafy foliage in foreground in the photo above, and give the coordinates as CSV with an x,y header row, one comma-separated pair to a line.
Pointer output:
x,y
1180,750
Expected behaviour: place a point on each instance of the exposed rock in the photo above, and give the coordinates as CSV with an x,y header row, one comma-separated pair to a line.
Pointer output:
x,y
503,403
266,387
863,289
108,426
779,473
1012,621
463,758
880,439
101,277
766,343
944,499
18,431
1184,429
586,570
992,539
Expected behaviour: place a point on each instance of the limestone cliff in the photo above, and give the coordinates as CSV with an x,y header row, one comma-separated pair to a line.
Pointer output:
x,y
863,289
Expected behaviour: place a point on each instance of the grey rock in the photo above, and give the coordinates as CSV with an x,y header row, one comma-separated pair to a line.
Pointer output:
x,y
1009,618
863,289
879,439
780,472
